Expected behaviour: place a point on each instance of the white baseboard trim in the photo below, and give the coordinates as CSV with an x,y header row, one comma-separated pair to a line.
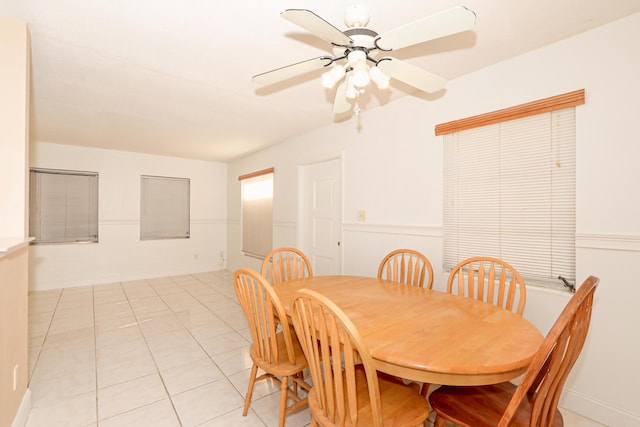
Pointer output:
x,y
20,419
598,411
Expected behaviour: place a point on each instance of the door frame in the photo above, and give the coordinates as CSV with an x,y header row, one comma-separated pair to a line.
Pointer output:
x,y
303,219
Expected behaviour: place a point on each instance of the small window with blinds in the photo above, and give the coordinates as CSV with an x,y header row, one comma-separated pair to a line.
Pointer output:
x,y
63,206
257,212
509,193
164,208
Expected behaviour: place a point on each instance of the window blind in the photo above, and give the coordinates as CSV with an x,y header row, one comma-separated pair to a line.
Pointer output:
x,y
257,213
509,192
164,209
63,206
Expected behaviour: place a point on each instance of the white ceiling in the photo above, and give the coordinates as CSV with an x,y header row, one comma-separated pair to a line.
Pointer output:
x,y
173,77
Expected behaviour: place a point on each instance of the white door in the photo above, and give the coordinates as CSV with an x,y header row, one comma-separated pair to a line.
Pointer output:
x,y
323,216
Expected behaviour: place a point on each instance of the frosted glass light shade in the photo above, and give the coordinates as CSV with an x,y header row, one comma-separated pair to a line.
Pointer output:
x,y
379,78
333,76
360,76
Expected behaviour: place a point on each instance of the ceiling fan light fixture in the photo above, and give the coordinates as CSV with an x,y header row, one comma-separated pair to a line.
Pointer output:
x,y
379,78
333,76
360,76
360,45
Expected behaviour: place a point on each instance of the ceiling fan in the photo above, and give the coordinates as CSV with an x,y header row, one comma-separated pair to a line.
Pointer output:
x,y
356,52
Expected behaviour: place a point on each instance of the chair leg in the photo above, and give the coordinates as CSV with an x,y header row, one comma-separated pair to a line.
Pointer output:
x,y
424,389
439,422
252,381
295,383
314,423
284,393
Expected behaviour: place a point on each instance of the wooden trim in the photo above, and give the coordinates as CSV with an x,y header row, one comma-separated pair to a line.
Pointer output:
x,y
558,102
257,173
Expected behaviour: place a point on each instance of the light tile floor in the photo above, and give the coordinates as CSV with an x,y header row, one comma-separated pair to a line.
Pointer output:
x,y
170,351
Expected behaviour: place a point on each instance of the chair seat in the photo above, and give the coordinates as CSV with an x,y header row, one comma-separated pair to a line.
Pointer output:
x,y
483,405
401,405
281,367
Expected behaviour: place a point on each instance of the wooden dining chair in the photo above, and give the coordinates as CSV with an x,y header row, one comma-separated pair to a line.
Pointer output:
x,y
534,402
274,350
347,390
490,280
406,266
284,264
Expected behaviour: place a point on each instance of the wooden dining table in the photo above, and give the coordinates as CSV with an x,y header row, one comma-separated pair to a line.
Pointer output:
x,y
426,335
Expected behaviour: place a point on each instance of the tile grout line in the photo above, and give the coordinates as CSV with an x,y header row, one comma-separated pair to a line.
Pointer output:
x,y
95,346
44,337
144,337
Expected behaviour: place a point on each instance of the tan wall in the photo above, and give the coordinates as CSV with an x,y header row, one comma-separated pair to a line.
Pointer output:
x,y
14,135
13,333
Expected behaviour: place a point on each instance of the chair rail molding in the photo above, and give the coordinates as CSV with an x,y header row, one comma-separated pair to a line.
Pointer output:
x,y
615,242
410,230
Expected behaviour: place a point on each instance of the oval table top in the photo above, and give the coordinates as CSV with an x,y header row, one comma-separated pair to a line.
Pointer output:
x,y
427,335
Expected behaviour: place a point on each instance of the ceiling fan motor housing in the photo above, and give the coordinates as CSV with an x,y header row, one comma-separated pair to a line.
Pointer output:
x,y
363,39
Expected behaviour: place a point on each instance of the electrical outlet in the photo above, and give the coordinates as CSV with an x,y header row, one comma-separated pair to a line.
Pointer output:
x,y
362,216
16,371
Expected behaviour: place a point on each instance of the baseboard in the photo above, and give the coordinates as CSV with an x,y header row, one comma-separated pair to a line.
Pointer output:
x,y
598,411
20,419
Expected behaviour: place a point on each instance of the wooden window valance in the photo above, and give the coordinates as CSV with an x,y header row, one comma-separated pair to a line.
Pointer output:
x,y
255,174
558,102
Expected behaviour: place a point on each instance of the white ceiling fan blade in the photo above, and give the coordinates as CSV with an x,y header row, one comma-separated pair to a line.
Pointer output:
x,y
412,75
341,104
316,25
293,70
450,21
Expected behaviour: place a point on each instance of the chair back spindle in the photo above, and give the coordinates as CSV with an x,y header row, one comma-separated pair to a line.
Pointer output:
x,y
490,280
284,264
406,266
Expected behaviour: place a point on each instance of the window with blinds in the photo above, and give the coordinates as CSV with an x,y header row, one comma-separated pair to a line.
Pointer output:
x,y
63,206
257,212
509,193
164,208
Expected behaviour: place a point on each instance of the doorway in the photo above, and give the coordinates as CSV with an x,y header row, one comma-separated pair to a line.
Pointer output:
x,y
322,222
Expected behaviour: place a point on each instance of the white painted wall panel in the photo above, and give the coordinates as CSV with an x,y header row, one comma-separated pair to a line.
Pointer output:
x,y
120,255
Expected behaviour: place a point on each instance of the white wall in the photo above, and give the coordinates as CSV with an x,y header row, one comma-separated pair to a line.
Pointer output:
x,y
393,170
120,255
